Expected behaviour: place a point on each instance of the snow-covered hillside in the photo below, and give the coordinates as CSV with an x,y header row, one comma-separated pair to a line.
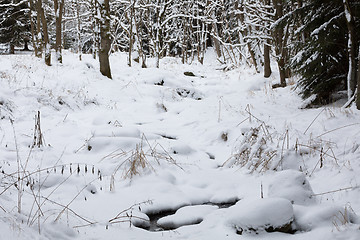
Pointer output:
x,y
158,154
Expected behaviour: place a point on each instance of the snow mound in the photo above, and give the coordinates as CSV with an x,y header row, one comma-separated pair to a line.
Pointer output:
x,y
181,148
269,214
186,216
308,218
139,219
293,186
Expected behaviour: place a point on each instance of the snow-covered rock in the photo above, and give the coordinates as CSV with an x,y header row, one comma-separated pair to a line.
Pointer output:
x,y
269,214
186,216
293,186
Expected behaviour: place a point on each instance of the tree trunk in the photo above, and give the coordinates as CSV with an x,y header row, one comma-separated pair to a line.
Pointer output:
x,y
267,67
45,33
78,29
267,47
95,28
358,83
215,38
26,45
12,48
58,7
139,42
34,37
39,43
105,40
131,33
282,72
351,78
279,42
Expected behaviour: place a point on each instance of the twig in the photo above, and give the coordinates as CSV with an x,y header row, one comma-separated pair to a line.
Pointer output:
x,y
338,129
67,206
352,99
314,120
2,208
333,191
69,209
129,208
18,167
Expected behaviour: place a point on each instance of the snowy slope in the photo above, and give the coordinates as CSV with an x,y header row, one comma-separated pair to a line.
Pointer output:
x,y
155,143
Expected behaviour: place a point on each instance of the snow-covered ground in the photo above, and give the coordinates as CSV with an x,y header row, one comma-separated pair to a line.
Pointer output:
x,y
211,156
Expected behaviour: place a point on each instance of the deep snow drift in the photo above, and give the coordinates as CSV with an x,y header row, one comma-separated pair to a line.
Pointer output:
x,y
156,154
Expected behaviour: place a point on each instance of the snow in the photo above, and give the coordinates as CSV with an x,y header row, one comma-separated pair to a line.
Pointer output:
x,y
117,151
311,217
186,216
293,186
254,214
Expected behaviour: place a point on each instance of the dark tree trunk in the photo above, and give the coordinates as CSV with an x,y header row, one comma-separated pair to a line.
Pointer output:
x,y
105,40
12,48
58,7
267,48
26,45
267,67
282,72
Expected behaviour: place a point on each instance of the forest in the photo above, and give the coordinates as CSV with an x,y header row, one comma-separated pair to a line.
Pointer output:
x,y
315,40
179,120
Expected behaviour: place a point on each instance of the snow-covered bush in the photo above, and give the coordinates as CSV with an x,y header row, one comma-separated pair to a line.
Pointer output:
x,y
255,150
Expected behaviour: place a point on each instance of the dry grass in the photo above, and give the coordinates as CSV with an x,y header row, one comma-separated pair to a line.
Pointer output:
x,y
343,218
254,151
140,160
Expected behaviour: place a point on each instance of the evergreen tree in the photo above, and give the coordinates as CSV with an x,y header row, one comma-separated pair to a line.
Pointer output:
x,y
321,58
14,23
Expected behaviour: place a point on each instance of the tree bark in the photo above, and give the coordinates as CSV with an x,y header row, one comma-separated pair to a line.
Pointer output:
x,y
351,49
215,37
279,42
78,29
131,32
267,67
34,37
267,46
105,39
39,43
12,48
45,33
26,45
58,7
